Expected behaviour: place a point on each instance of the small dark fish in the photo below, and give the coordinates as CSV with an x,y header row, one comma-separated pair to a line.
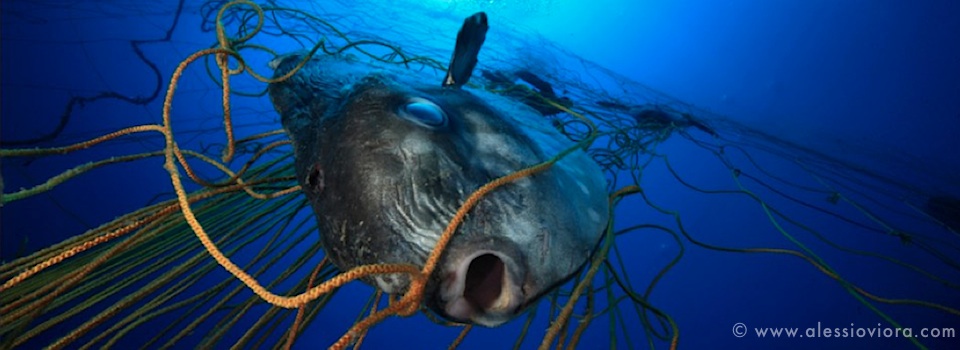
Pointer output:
x,y
703,127
507,82
656,116
613,105
545,88
386,158
469,40
497,79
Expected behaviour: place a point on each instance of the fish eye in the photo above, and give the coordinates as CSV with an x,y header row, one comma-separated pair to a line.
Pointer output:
x,y
423,112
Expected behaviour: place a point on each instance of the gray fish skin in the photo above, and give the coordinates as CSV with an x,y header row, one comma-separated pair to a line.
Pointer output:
x,y
384,184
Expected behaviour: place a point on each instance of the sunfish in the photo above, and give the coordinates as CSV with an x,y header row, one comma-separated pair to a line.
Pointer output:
x,y
385,157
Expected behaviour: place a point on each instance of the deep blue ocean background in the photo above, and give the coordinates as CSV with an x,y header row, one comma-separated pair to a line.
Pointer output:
x,y
874,84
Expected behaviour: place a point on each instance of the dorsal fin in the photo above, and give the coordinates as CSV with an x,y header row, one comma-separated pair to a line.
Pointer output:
x,y
469,40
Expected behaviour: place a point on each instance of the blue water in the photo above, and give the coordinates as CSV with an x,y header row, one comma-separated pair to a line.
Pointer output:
x,y
875,84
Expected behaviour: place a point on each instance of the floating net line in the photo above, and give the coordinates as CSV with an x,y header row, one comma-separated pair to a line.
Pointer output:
x,y
159,270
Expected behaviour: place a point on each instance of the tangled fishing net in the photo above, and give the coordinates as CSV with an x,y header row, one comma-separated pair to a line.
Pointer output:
x,y
232,257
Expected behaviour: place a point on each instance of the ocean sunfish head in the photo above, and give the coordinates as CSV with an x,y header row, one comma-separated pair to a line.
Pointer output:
x,y
387,158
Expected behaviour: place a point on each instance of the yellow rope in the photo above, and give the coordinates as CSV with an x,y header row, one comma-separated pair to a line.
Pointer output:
x,y
373,310
408,304
69,253
69,174
78,146
598,259
292,333
463,334
173,156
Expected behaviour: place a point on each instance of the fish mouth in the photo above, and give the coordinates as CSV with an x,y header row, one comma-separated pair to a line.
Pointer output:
x,y
482,289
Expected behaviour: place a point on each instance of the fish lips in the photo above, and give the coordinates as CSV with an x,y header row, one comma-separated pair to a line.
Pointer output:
x,y
484,286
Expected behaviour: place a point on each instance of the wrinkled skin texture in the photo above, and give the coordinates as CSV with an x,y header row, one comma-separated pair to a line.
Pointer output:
x,y
384,183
